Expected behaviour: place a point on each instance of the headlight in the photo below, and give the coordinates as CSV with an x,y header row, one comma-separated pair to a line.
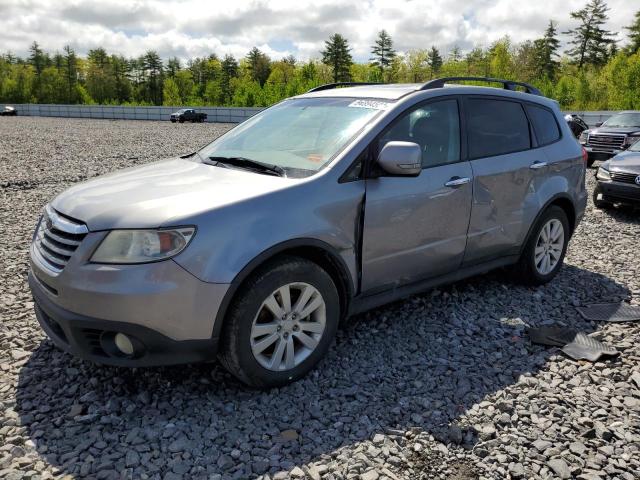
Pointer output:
x,y
603,174
630,140
584,136
142,246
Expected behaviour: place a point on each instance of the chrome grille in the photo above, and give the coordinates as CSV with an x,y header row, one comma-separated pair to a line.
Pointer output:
x,y
606,143
57,238
624,177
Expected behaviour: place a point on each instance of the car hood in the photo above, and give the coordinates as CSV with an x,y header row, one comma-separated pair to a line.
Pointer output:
x,y
626,162
619,130
162,193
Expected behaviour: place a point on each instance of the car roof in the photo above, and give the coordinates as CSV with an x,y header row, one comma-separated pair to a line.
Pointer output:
x,y
395,91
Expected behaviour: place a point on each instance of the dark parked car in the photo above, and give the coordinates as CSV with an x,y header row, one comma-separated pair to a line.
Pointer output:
x,y
188,115
9,111
619,179
576,124
611,137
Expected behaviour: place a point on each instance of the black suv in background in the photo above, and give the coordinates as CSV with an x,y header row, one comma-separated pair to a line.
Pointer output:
x,y
188,115
611,137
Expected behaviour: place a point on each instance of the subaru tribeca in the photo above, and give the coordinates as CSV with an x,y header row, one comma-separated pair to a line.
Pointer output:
x,y
329,203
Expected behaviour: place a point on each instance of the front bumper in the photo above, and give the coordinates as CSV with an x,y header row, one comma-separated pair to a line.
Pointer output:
x,y
170,311
599,154
617,192
93,338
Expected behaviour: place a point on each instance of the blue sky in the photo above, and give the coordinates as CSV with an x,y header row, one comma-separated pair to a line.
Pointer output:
x,y
188,28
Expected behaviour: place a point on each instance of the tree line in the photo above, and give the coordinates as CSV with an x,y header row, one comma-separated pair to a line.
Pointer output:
x,y
593,73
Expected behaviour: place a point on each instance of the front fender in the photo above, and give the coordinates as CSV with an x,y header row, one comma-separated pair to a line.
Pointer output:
x,y
231,237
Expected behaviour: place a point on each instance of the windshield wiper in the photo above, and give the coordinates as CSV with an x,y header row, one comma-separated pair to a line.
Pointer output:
x,y
251,164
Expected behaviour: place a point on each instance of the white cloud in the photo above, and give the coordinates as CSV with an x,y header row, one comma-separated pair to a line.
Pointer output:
x,y
188,28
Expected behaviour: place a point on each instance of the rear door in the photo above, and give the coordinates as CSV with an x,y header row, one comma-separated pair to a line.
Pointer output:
x,y
416,227
505,167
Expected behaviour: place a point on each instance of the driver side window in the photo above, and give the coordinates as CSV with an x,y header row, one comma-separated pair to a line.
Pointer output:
x,y
435,127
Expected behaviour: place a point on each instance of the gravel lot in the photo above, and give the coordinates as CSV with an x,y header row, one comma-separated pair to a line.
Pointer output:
x,y
442,385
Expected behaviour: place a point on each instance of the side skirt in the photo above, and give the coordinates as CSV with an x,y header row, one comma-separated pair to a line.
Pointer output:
x,y
361,303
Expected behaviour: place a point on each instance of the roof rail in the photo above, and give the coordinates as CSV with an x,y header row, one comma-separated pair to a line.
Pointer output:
x,y
329,86
507,84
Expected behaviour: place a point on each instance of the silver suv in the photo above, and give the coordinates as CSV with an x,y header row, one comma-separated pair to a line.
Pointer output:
x,y
324,205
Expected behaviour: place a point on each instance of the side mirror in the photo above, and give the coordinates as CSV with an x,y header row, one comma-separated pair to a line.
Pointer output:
x,y
401,158
599,124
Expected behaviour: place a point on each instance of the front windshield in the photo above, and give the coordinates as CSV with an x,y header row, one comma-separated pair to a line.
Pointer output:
x,y
623,120
300,135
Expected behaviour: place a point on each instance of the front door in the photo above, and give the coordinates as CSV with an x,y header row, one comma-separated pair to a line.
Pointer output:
x,y
416,227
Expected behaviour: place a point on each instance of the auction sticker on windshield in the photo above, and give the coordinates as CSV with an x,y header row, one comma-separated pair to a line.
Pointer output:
x,y
374,104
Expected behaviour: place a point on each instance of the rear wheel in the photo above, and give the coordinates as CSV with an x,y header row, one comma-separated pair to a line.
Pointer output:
x,y
281,324
544,252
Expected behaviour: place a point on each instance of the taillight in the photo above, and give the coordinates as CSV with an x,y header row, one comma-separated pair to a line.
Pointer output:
x,y
585,155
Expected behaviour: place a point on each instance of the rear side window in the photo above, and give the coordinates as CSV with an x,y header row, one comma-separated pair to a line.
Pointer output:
x,y
544,124
496,127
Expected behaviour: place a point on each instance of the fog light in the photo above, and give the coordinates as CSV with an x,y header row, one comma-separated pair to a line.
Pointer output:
x,y
123,343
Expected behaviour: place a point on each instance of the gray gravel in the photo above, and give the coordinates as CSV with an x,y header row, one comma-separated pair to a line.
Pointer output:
x,y
442,385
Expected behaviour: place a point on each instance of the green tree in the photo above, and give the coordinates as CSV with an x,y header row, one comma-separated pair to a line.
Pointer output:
x,y
229,71
590,41
634,34
337,55
154,76
171,94
434,60
259,65
456,54
70,65
382,51
546,52
173,67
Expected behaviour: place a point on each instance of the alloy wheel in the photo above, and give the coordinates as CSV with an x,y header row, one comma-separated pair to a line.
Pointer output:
x,y
549,246
288,326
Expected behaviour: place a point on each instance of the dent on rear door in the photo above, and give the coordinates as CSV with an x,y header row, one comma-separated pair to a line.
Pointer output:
x,y
504,203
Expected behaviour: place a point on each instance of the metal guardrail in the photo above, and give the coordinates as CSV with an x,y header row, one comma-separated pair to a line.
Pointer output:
x,y
214,114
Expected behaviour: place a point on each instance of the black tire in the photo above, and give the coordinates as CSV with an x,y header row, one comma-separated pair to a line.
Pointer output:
x,y
173,120
590,162
600,204
235,352
525,270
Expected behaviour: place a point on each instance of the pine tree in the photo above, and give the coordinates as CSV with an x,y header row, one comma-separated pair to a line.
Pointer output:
x,y
546,52
382,51
634,34
434,60
456,54
154,73
70,63
229,71
337,55
173,67
259,65
590,40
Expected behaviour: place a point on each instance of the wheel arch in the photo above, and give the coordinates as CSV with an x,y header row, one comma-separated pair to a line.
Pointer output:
x,y
317,251
561,200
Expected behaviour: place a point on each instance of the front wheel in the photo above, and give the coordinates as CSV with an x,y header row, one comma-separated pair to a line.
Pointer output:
x,y
281,324
544,252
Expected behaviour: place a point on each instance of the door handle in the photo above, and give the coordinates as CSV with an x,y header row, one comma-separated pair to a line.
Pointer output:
x,y
537,165
457,181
